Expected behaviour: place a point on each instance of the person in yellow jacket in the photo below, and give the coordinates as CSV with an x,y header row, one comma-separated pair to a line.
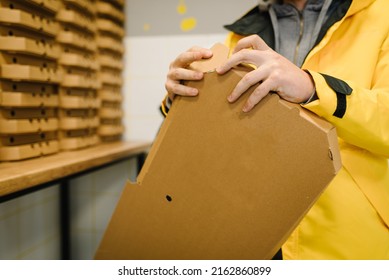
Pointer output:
x,y
332,57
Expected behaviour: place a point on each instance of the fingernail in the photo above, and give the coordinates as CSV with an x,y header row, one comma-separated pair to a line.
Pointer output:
x,y
246,108
230,98
193,92
199,75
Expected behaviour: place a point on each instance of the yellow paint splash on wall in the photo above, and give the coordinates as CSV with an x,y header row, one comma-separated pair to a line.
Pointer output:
x,y
181,7
188,24
146,27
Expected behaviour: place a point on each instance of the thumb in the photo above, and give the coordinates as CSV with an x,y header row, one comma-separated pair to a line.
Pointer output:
x,y
254,42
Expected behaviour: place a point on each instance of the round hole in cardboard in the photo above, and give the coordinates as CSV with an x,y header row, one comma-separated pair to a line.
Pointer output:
x,y
169,198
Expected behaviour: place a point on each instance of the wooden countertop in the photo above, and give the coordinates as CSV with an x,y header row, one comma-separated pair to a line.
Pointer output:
x,y
21,175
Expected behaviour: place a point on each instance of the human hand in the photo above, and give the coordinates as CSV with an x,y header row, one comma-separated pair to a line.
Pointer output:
x,y
274,73
178,72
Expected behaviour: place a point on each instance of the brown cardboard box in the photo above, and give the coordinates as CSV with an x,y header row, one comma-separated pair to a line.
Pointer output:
x,y
222,184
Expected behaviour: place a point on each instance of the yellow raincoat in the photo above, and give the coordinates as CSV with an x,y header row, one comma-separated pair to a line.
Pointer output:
x,y
351,218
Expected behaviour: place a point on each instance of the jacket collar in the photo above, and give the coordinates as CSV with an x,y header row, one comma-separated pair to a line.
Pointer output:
x,y
251,23
257,21
358,5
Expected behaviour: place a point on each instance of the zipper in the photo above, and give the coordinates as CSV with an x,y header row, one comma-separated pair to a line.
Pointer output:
x,y
300,37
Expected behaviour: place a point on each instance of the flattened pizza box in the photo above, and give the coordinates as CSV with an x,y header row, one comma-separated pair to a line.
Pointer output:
x,y
222,184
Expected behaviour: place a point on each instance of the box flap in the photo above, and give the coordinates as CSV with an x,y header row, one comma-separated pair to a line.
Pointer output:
x,y
222,184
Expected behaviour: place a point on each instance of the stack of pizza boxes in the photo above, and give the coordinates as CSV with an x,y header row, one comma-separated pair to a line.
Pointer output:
x,y
110,24
78,93
29,78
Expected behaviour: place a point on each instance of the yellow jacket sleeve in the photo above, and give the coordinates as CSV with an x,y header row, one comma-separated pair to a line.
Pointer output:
x,y
365,122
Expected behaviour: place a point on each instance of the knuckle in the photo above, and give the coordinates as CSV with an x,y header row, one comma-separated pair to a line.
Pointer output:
x,y
257,93
167,86
169,75
195,56
260,91
245,52
247,79
174,74
192,56
276,75
276,63
175,88
180,60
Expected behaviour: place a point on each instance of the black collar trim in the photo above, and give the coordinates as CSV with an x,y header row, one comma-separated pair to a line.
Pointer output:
x,y
254,22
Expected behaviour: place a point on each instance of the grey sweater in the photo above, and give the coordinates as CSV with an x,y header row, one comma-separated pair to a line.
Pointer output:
x,y
296,31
